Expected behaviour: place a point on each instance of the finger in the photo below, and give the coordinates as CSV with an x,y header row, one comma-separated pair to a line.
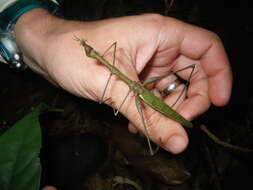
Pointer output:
x,y
200,44
198,100
163,83
168,134
197,93
132,128
176,97
162,130
49,188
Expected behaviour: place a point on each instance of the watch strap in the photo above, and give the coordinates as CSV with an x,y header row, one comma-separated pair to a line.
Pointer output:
x,y
8,17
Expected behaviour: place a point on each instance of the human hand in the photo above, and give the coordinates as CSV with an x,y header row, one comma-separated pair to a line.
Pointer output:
x,y
148,45
49,188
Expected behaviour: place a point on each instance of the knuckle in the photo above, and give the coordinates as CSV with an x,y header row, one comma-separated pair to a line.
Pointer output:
x,y
153,18
214,37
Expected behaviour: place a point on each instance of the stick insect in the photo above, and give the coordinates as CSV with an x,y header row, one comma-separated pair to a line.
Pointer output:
x,y
142,94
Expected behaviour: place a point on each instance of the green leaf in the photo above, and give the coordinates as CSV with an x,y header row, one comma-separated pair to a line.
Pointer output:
x,y
19,149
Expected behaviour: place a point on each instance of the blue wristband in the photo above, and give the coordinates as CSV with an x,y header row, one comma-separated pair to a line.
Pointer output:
x,y
8,17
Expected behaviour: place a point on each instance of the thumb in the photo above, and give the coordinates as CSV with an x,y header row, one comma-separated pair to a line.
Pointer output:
x,y
162,130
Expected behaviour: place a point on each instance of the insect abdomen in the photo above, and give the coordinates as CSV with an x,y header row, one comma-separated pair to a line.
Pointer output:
x,y
154,102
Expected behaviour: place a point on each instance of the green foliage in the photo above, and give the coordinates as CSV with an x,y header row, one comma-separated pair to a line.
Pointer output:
x,y
19,149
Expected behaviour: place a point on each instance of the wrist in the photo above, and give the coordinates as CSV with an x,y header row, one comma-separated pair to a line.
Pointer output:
x,y
32,31
10,12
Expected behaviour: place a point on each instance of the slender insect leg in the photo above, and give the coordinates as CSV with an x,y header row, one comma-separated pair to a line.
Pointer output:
x,y
114,45
154,79
138,106
192,67
116,111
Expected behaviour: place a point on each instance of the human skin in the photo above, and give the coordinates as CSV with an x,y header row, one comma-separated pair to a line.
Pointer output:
x,y
49,188
147,45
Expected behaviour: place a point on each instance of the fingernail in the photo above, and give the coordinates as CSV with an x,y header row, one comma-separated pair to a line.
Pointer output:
x,y
176,144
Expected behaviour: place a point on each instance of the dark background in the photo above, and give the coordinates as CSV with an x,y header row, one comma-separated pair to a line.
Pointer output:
x,y
232,21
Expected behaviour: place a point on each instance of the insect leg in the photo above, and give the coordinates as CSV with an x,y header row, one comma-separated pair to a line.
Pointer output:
x,y
192,67
139,108
116,111
154,79
114,45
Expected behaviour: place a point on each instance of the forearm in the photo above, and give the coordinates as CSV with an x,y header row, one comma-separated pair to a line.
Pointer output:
x,y
44,40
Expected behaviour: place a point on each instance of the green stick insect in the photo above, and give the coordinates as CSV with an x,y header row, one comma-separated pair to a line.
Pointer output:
x,y
142,94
